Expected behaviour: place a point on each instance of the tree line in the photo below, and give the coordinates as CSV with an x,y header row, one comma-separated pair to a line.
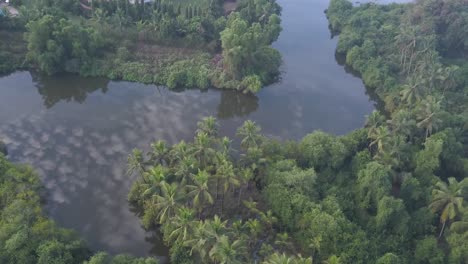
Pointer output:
x,y
109,39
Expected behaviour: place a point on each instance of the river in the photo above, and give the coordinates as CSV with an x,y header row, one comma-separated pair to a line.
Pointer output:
x,y
77,132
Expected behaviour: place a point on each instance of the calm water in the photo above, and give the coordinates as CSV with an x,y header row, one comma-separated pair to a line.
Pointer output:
x,y
78,132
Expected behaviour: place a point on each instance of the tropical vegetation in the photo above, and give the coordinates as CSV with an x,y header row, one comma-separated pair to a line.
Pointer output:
x,y
180,44
394,191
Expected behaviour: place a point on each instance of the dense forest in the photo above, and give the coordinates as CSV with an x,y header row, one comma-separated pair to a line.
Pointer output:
x,y
393,191
180,44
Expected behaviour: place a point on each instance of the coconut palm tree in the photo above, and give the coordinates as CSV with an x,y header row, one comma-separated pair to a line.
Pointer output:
x,y
428,115
136,162
142,29
202,148
380,138
216,227
277,258
168,202
413,90
202,240
225,172
226,252
268,219
209,126
226,146
255,229
245,176
447,200
179,151
374,120
199,191
159,152
250,134
184,170
403,122
155,177
238,228
282,241
183,225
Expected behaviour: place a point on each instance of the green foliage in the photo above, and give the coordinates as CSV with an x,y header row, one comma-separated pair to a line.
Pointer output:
x,y
389,258
161,41
246,51
428,252
374,182
340,10
188,73
321,151
104,258
28,236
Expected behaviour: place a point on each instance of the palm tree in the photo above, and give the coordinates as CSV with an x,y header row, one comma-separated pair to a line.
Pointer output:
x,y
225,172
428,115
142,28
277,258
120,18
374,120
413,90
282,241
184,169
245,177
202,240
252,206
225,252
179,151
209,126
168,202
159,152
155,176
183,223
230,179
136,162
447,200
255,229
99,16
202,148
250,134
380,138
237,228
226,146
403,123
216,227
200,190
268,219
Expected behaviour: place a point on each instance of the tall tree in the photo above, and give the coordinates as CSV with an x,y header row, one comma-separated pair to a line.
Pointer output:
x,y
250,134
168,202
227,252
199,191
447,200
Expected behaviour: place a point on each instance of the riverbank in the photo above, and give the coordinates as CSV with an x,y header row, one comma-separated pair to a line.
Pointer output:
x,y
173,67
173,45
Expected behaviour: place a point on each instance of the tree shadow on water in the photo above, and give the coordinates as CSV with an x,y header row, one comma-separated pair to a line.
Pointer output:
x,y
67,87
236,104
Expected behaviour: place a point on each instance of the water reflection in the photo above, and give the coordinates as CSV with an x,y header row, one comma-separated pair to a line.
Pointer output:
x,y
67,87
235,104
